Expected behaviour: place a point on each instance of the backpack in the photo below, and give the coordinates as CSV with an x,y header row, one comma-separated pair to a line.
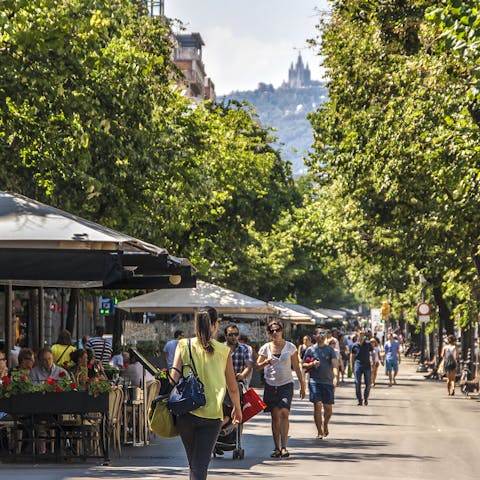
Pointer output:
x,y
450,363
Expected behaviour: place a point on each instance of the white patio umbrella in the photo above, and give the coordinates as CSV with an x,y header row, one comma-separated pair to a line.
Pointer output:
x,y
191,300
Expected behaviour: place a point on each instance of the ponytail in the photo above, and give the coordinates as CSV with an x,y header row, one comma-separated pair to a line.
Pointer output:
x,y
206,318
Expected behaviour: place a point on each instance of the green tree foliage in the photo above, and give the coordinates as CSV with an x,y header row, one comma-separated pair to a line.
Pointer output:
x,y
394,145
89,122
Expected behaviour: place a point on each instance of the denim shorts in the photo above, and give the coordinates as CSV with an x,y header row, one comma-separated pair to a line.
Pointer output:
x,y
280,397
321,392
391,365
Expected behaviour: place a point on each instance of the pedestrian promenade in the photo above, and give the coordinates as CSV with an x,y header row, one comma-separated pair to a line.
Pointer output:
x,y
412,430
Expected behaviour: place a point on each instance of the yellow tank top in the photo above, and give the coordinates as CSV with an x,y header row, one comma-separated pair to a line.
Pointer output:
x,y
211,371
62,353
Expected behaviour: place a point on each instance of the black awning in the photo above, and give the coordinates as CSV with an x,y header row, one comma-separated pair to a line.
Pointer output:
x,y
86,268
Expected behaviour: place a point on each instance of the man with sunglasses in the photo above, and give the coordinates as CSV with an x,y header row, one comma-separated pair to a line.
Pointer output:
x,y
360,361
322,360
241,354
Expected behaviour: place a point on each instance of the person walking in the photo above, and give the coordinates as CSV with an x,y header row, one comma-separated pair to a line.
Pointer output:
x,y
375,360
199,429
241,354
171,346
277,358
450,358
392,358
322,360
360,361
302,348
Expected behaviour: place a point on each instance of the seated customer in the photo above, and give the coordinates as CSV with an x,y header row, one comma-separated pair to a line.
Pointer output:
x,y
94,366
79,371
26,360
46,368
134,373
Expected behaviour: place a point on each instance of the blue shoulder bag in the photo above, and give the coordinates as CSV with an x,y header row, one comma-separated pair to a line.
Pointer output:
x,y
188,394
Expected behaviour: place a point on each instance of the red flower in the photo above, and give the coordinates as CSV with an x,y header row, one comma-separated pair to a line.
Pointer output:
x,y
58,389
51,381
73,386
90,380
6,380
22,378
62,374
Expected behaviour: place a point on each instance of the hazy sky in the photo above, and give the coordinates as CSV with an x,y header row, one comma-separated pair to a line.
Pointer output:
x,y
250,41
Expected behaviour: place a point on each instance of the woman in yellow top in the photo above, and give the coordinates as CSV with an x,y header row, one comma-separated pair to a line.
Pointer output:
x,y
199,429
62,350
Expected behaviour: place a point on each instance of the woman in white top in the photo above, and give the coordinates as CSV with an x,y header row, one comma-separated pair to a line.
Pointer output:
x,y
450,359
374,359
277,358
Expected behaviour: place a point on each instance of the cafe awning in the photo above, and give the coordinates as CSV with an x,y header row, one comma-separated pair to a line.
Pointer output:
x,y
44,246
190,300
317,316
288,314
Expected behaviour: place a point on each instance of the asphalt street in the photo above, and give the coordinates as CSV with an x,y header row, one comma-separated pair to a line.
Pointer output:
x,y
412,430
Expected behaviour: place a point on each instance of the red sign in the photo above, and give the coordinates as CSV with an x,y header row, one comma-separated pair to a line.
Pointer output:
x,y
423,308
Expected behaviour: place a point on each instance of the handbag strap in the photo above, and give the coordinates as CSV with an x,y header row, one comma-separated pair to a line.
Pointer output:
x,y
192,366
60,357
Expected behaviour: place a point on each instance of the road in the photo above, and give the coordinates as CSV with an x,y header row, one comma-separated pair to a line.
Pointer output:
x,y
412,430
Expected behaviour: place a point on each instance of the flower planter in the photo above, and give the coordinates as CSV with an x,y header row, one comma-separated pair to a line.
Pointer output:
x,y
54,402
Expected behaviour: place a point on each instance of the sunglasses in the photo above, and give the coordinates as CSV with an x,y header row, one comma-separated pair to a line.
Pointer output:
x,y
233,334
322,334
274,330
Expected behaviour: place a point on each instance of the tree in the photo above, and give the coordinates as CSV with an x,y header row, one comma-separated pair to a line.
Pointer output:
x,y
388,141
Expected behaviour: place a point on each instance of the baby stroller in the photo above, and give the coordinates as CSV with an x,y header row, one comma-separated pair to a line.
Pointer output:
x,y
230,436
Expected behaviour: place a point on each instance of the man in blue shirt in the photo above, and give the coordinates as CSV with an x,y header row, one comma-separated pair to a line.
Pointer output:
x,y
360,361
392,358
322,361
171,346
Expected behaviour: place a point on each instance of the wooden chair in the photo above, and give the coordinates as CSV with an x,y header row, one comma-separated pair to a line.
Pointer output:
x,y
115,417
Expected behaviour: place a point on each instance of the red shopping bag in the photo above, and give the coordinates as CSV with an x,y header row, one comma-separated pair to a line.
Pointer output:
x,y
252,404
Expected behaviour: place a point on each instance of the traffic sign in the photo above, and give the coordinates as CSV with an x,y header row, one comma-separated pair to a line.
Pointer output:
x,y
424,318
423,308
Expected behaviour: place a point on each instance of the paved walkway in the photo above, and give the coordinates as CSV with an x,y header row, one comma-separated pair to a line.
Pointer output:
x,y
412,430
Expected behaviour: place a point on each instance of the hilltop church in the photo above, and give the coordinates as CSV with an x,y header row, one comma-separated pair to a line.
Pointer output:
x,y
299,75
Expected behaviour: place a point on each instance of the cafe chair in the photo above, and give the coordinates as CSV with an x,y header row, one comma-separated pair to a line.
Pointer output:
x,y
116,400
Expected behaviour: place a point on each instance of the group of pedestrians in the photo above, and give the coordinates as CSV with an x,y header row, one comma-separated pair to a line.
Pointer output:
x,y
317,363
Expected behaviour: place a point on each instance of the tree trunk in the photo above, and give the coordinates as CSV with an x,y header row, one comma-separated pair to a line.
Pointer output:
x,y
444,315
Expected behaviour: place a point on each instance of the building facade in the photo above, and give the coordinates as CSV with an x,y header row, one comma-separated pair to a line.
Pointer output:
x,y
187,56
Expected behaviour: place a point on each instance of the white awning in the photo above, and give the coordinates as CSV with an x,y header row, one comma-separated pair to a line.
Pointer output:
x,y
190,300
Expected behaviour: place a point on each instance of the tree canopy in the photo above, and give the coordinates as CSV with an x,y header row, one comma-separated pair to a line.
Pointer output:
x,y
91,121
396,149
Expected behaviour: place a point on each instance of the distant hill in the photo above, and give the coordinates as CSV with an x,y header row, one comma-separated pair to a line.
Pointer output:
x,y
285,109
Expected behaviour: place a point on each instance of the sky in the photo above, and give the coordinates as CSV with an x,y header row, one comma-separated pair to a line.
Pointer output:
x,y
251,41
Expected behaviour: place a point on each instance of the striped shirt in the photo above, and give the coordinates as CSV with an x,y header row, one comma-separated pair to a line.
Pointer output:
x,y
102,349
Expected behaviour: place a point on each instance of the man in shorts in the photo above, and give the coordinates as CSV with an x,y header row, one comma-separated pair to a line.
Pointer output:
x,y
392,358
322,360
